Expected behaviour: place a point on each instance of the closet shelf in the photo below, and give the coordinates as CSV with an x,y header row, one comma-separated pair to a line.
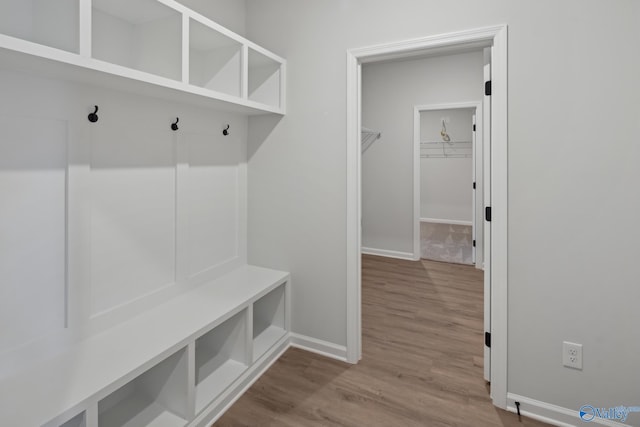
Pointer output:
x,y
368,137
182,55
446,150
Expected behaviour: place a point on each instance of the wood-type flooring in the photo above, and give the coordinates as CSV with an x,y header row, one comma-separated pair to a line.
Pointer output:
x,y
421,363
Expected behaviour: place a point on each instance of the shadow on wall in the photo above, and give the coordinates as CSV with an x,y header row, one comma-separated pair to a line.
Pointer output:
x,y
260,127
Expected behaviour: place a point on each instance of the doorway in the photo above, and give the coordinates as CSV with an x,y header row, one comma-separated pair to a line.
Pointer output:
x,y
496,39
448,141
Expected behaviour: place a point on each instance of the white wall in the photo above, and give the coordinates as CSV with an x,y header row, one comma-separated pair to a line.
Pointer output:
x,y
572,87
390,91
446,189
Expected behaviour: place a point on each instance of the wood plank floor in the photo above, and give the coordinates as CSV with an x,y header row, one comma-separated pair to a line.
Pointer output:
x,y
421,365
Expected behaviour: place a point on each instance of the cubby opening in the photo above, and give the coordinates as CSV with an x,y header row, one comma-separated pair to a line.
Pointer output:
x,y
77,421
158,397
141,34
215,60
221,357
264,79
268,321
53,23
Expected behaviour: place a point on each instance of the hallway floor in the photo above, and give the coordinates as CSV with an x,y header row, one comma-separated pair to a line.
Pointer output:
x,y
421,364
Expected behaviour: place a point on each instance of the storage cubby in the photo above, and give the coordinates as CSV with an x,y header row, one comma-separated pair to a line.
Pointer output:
x,y
214,60
158,397
178,364
221,356
268,321
141,34
53,23
77,421
264,79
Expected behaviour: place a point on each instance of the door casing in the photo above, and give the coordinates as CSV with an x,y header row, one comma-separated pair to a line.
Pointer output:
x,y
495,37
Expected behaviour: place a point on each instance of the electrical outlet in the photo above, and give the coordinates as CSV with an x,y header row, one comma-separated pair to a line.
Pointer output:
x,y
572,355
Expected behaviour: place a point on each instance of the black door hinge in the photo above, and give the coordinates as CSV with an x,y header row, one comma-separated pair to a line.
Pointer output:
x,y
474,185
474,243
474,128
487,88
487,339
487,213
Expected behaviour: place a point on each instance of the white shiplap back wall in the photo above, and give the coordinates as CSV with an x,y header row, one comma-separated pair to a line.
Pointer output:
x,y
104,220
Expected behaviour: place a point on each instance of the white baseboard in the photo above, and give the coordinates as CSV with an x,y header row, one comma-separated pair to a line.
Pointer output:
x,y
323,348
389,254
446,221
553,414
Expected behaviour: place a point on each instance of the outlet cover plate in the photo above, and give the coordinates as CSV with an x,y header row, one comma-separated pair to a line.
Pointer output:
x,y
572,355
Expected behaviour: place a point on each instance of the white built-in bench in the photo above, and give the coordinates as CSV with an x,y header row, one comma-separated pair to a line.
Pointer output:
x,y
181,363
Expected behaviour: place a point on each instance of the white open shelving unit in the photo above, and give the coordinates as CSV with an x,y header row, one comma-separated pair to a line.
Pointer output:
x,y
154,47
181,363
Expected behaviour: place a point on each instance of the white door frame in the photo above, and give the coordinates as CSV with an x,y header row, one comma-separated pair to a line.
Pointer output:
x,y
489,36
417,181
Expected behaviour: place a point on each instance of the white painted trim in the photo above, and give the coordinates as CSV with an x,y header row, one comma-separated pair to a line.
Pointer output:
x,y
186,51
85,30
499,221
323,348
354,206
416,47
417,202
389,254
446,221
553,414
481,37
450,106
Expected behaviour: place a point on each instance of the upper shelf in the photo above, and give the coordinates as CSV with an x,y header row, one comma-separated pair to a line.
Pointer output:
x,y
155,47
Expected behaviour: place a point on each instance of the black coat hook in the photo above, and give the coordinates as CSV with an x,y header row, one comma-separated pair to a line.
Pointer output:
x,y
174,126
93,117
225,131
